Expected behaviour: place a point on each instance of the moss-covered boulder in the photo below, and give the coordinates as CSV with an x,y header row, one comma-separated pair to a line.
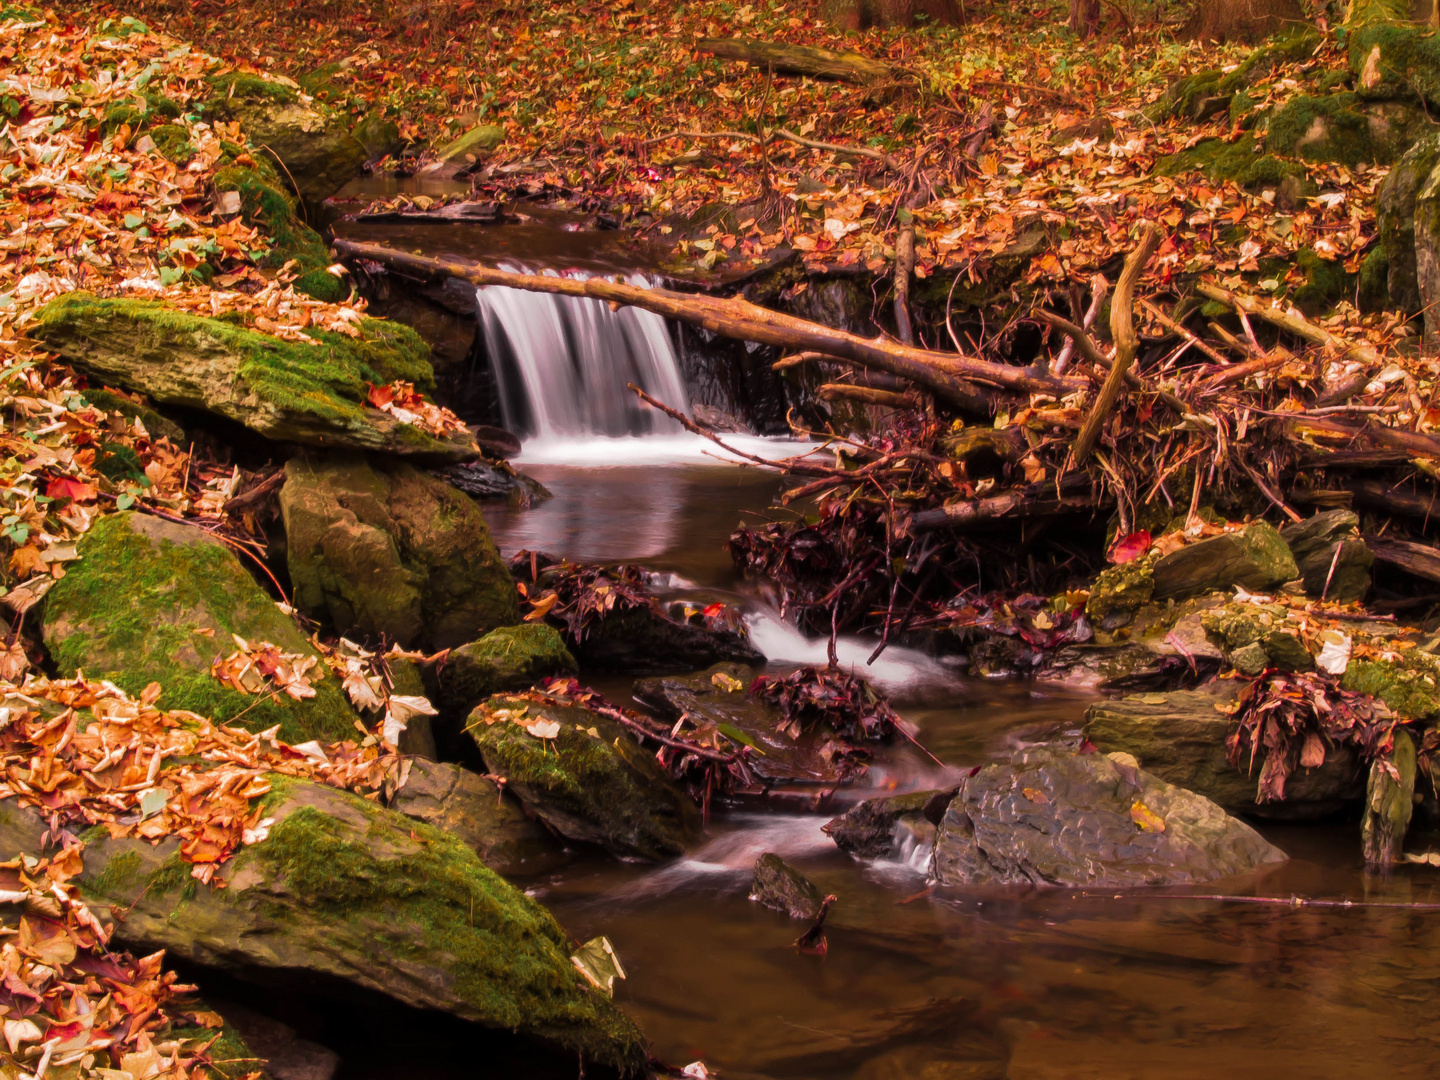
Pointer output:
x,y
1180,737
1427,254
377,547
510,658
584,775
1254,557
344,895
311,141
151,600
1395,221
1391,60
472,145
379,136
1344,128
310,392
1332,558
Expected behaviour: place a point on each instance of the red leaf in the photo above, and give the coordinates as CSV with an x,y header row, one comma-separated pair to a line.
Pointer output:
x,y
380,396
1131,547
64,488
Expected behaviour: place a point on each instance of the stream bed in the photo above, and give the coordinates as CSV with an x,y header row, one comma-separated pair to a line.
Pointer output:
x,y
1021,983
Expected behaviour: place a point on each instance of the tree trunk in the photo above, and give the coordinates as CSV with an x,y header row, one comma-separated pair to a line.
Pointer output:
x,y
1242,20
797,59
1084,17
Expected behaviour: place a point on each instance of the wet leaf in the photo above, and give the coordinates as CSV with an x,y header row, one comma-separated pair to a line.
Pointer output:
x,y
1145,818
598,962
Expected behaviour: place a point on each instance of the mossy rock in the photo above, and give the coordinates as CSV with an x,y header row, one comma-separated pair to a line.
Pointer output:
x,y
156,425
1240,161
1326,283
1427,254
1395,220
172,141
510,658
381,548
266,204
1345,129
478,142
151,600
1313,542
1122,588
1254,557
1393,61
590,781
343,890
1409,686
313,393
310,140
379,136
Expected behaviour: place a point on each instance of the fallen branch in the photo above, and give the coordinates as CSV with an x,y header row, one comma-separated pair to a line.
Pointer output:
x,y
1037,500
801,468
904,266
1292,321
1383,496
798,59
1413,558
867,395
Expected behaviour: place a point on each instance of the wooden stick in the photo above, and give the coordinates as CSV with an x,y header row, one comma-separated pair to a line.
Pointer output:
x,y
904,266
1174,327
867,395
1239,372
1122,331
798,59
1033,500
1292,321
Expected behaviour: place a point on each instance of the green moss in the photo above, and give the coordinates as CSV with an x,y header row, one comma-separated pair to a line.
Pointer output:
x,y
1239,161
1327,129
1122,588
468,918
229,1054
134,609
323,285
119,874
1374,288
1409,687
243,86
1326,283
1405,58
1284,48
267,205
172,141
510,658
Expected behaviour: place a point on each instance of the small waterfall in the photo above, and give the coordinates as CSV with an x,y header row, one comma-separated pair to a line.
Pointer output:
x,y
561,364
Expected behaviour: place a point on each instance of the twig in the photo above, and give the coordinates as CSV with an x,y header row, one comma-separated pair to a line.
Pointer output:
x,y
1099,289
1173,326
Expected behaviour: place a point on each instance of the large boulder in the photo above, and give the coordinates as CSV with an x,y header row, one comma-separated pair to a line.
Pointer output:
x,y
344,895
314,392
475,810
1395,221
1330,555
311,140
510,658
472,145
1049,817
1180,737
1254,557
584,775
151,600
377,547
1427,254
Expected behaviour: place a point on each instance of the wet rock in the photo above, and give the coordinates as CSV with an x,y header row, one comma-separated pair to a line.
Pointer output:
x,y
286,1055
154,600
482,481
381,548
347,896
510,658
312,141
379,136
286,391
646,641
475,811
585,776
408,680
713,418
720,695
780,886
1180,738
1049,817
1313,542
1395,221
1118,590
1389,802
1254,557
883,827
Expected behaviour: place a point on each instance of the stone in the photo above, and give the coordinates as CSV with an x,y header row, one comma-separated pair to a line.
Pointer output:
x,y
585,776
1395,221
1287,651
313,394
1392,61
1389,802
155,600
884,827
1427,254
781,887
311,140
1345,129
1180,737
1249,659
479,142
1313,542
476,811
381,548
408,680
483,482
1254,557
348,896
1050,817
646,641
379,136
285,1054
510,658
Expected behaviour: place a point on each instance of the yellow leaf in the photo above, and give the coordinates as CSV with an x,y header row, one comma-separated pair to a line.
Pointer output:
x,y
1146,818
728,683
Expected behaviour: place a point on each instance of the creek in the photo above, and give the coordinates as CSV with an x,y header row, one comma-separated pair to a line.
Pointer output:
x,y
1018,983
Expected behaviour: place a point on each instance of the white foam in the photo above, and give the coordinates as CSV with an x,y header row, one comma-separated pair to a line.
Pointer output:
x,y
682,448
896,668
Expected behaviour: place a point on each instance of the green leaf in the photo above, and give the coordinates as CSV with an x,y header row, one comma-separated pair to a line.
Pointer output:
x,y
132,220
730,731
124,502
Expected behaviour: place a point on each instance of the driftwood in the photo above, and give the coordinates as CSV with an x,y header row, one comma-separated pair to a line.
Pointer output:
x,y
867,395
1413,558
798,59
949,376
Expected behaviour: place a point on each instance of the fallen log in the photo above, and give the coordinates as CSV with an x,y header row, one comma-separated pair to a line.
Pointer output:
x,y
1383,496
867,395
1413,558
1292,321
798,59
949,376
1035,500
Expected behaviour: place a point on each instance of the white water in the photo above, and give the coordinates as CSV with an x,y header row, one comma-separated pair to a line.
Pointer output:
x,y
896,668
677,448
562,364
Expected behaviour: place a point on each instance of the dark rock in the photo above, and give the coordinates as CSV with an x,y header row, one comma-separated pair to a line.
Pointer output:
x,y
780,886
382,548
1180,737
878,828
585,776
510,658
1313,543
646,641
1254,557
481,480
418,736
286,1055
718,420
1050,817
1395,221
380,137
476,811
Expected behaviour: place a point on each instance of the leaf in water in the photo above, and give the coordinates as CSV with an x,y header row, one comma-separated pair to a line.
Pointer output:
x,y
596,960
1147,819
728,683
730,731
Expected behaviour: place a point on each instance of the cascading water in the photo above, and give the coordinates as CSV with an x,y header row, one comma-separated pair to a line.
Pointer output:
x,y
562,363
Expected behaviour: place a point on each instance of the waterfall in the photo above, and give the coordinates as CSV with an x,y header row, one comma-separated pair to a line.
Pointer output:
x,y
561,364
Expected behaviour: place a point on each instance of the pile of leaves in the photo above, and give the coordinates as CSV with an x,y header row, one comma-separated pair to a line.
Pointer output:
x,y
577,595
812,698
71,1006
1292,720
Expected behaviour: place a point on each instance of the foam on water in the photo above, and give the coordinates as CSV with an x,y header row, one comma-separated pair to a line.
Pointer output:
x,y
896,668
678,448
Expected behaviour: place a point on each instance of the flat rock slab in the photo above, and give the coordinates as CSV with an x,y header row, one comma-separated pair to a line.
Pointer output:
x,y
1254,557
1050,817
1180,737
780,886
646,641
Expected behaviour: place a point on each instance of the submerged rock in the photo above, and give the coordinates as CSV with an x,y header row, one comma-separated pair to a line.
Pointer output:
x,y
382,548
1050,817
1254,557
476,811
313,394
344,895
880,828
1314,542
510,658
780,886
1180,737
484,481
585,776
154,600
